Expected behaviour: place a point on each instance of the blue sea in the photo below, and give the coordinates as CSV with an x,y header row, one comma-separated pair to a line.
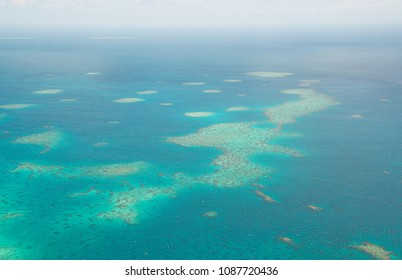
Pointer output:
x,y
85,175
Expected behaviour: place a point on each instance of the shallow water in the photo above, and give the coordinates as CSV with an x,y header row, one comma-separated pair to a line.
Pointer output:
x,y
53,200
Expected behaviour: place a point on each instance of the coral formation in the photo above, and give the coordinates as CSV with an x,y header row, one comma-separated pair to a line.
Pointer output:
x,y
15,106
210,214
263,74
48,91
199,114
311,101
48,140
128,100
375,251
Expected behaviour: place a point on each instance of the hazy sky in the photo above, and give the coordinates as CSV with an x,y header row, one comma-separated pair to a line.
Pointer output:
x,y
198,12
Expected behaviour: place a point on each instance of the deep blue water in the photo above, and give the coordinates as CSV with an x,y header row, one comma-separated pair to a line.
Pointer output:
x,y
351,167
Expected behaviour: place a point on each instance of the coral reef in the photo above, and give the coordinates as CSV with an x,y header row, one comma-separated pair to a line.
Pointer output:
x,y
48,140
15,106
199,114
128,100
375,251
311,101
210,214
263,74
48,91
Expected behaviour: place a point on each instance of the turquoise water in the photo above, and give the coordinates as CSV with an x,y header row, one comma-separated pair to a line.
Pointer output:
x,y
53,197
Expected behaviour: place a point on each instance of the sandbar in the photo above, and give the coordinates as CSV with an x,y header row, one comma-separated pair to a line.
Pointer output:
x,y
15,106
356,116
145,92
199,114
128,100
92,73
48,91
263,74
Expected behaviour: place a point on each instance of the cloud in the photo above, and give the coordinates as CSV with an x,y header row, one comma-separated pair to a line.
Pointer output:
x,y
198,12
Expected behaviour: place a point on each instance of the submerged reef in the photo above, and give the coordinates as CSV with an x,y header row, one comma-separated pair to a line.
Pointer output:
x,y
314,208
311,101
263,74
210,214
124,203
375,251
237,109
232,81
199,114
48,91
7,253
111,170
266,198
193,83
237,141
48,140
287,241
15,106
8,216
128,100
212,91
2,116
145,92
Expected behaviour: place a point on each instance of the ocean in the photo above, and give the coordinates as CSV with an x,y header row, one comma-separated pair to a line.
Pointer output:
x,y
200,144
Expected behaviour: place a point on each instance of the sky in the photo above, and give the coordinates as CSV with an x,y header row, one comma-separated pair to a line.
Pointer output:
x,y
140,13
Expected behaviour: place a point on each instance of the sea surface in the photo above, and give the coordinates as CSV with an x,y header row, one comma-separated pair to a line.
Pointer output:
x,y
299,158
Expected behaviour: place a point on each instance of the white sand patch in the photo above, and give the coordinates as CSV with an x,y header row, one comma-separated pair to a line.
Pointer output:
x,y
48,91
357,116
199,114
147,92
237,109
384,99
166,104
92,73
241,94
15,106
269,74
128,100
212,91
193,83
68,100
232,81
